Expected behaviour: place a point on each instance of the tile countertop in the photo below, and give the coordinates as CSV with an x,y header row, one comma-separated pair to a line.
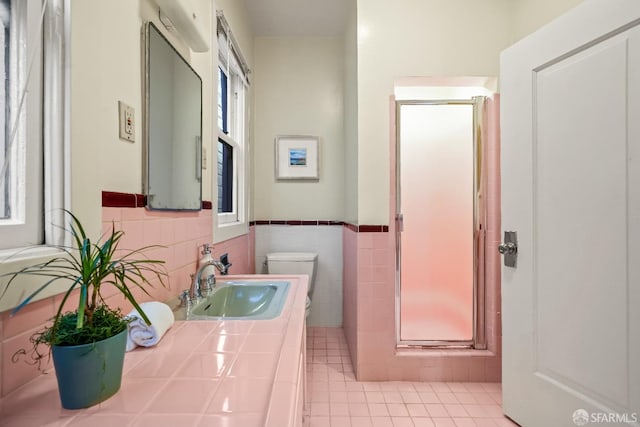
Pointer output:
x,y
202,373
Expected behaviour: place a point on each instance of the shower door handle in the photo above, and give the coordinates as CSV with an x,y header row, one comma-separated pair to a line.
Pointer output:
x,y
509,248
399,222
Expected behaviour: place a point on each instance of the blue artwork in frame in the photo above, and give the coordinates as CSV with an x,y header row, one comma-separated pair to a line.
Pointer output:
x,y
297,157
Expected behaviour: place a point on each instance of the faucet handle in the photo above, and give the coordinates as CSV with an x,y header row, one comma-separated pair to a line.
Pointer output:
x,y
185,300
224,260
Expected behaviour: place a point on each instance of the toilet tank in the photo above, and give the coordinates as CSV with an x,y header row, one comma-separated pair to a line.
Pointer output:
x,y
294,263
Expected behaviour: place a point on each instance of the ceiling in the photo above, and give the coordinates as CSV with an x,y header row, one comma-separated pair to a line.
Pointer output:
x,y
313,18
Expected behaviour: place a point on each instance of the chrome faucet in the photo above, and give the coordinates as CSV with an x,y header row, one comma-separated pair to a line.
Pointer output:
x,y
195,291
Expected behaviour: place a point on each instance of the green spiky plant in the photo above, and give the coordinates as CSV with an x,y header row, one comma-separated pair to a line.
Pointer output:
x,y
89,267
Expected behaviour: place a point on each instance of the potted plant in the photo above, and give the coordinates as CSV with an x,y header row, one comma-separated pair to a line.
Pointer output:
x,y
88,344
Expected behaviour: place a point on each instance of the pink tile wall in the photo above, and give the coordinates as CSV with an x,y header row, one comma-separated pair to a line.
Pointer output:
x,y
182,234
369,296
240,250
350,290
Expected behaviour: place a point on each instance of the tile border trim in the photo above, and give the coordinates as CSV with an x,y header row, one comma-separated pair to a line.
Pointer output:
x,y
362,228
114,199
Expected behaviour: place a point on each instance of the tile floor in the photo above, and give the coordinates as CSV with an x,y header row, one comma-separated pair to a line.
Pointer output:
x,y
336,399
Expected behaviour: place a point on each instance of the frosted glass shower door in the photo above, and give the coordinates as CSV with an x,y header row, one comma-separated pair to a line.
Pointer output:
x,y
436,200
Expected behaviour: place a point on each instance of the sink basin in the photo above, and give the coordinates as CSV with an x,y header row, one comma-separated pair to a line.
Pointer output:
x,y
249,300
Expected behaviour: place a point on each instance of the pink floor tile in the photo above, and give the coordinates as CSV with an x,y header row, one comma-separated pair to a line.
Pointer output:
x,y
338,396
417,410
356,397
410,397
428,397
317,421
358,410
337,399
423,422
361,422
378,409
374,397
392,397
455,410
437,410
381,422
397,409
465,398
340,422
339,409
402,422
484,422
446,397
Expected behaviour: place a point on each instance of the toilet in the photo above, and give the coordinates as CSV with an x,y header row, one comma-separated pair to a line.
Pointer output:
x,y
295,263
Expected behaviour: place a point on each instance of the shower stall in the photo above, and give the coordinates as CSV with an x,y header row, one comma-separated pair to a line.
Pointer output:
x,y
440,216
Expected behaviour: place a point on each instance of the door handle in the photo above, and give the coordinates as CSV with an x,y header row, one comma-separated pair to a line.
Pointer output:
x,y
509,248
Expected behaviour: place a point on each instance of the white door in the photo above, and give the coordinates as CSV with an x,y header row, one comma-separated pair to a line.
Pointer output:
x,y
570,118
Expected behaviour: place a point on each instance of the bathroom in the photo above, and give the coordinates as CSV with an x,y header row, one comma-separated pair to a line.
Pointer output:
x,y
332,78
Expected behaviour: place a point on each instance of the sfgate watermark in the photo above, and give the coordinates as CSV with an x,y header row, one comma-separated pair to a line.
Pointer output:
x,y
582,417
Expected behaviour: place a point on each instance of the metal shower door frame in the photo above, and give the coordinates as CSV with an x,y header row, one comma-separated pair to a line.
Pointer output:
x,y
479,340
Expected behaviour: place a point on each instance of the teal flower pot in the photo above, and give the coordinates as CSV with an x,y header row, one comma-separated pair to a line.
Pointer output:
x,y
90,373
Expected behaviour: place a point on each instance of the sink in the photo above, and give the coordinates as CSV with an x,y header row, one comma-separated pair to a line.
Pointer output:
x,y
249,300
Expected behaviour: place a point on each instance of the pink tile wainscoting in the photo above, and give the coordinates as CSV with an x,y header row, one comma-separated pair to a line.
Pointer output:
x,y
181,234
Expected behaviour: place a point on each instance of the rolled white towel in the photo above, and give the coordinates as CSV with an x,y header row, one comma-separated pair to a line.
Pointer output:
x,y
141,334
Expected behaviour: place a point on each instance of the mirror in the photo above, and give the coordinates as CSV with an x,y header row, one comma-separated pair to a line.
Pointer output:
x,y
172,127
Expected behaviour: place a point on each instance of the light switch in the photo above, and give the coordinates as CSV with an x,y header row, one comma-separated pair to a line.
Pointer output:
x,y
127,122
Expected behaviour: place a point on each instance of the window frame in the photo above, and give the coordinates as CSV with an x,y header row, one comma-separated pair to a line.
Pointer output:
x,y
55,151
231,63
25,227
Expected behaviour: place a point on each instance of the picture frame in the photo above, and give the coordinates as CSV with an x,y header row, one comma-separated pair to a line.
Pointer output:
x,y
297,157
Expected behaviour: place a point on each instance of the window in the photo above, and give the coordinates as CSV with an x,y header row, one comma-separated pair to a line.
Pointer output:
x,y
32,115
223,113
232,118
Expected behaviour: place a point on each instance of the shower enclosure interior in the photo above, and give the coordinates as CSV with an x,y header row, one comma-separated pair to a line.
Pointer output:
x,y
440,215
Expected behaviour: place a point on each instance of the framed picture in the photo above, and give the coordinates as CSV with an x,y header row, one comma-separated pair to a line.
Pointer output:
x,y
297,157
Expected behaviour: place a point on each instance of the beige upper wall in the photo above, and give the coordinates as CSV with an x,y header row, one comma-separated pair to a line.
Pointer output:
x,y
529,15
351,117
415,38
106,64
105,68
298,90
426,38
